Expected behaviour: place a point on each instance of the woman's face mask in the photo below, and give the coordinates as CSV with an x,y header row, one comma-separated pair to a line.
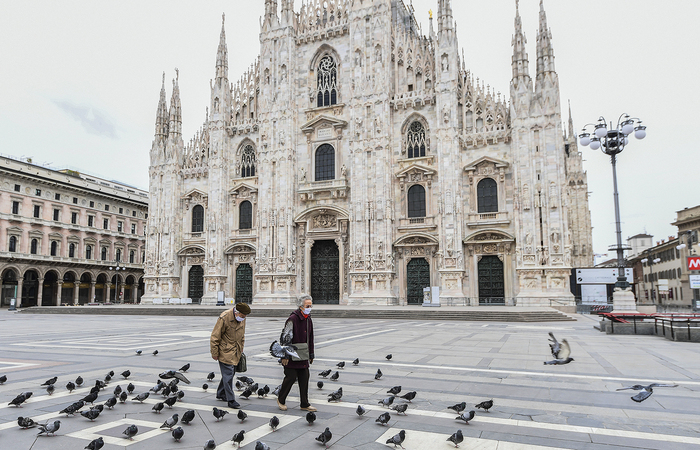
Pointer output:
x,y
307,311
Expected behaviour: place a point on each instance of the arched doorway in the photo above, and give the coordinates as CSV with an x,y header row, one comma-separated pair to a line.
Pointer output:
x,y
491,284
68,291
129,290
116,288
195,288
30,288
417,278
84,290
325,272
9,286
244,284
101,288
48,296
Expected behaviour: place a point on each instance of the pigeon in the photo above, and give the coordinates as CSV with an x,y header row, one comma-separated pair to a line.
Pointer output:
x,y
96,444
95,390
130,388
158,407
384,418
458,408
126,374
188,416
25,422
99,408
50,389
49,428
274,423
170,422
158,387
397,439
238,438
174,374
211,376
246,380
561,352
325,373
100,384
170,401
389,356
123,396
356,361
360,411
239,385
340,365
178,433
645,391
247,393
409,396
185,368
466,418
335,396
17,401
91,414
387,401
111,373
311,417
205,386
261,446
27,394
395,390
141,397
50,381
130,432
456,438
283,351
276,391
378,375
261,393
400,409
138,352
79,381
325,437
488,404
108,378
117,391
241,415
320,384
3,379
219,413
70,386
72,409
111,402
335,376
266,388
210,445
155,352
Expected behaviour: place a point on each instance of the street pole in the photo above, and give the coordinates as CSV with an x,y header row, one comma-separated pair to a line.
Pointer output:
x,y
622,282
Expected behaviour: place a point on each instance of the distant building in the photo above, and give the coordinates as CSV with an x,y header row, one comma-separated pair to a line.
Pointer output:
x,y
638,243
65,233
660,280
688,223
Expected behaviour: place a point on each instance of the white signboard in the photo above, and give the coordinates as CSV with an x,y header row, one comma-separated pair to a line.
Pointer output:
x,y
175,301
601,276
593,294
157,301
694,281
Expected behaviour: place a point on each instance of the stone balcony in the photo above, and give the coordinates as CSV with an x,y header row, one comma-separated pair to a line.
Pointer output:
x,y
417,224
485,220
51,260
315,190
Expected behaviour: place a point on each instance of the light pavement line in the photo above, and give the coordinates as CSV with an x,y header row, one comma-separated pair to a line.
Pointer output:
x,y
93,432
425,439
9,365
263,430
40,398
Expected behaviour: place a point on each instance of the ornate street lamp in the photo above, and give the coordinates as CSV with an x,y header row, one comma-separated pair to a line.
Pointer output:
x,y
612,142
117,267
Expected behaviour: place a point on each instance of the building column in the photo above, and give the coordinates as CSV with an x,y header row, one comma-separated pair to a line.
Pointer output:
x,y
20,281
40,292
91,296
134,292
108,289
59,288
76,292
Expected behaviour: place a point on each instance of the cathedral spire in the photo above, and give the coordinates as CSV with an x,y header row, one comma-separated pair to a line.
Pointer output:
x,y
545,52
572,134
520,61
270,19
222,54
162,114
445,19
175,128
287,12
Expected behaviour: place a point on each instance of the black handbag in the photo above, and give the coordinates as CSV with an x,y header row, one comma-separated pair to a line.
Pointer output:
x,y
242,365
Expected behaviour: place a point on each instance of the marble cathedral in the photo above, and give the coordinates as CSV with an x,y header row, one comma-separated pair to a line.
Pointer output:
x,y
359,161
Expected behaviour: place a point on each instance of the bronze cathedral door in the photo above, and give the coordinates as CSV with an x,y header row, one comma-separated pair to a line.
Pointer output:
x,y
325,273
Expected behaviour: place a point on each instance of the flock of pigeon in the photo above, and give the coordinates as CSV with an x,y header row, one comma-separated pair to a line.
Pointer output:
x,y
247,387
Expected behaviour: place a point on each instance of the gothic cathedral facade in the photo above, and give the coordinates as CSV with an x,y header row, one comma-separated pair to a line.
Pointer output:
x,y
359,161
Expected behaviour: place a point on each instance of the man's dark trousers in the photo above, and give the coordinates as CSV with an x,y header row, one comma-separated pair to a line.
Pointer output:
x,y
225,389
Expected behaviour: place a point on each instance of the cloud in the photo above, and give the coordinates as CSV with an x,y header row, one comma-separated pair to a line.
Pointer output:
x,y
92,119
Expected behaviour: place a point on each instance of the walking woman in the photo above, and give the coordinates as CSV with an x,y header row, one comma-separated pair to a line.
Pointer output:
x,y
298,369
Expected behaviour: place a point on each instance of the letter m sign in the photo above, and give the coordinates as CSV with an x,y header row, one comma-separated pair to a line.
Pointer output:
x,y
694,263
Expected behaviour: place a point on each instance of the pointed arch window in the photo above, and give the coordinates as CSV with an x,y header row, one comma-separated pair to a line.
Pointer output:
x,y
487,196
245,218
327,82
198,219
248,161
13,243
415,140
416,201
34,246
325,163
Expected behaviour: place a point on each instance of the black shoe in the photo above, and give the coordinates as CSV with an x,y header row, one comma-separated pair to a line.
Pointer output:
x,y
234,404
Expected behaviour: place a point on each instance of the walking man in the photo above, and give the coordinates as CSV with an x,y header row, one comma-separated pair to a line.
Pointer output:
x,y
226,346
298,369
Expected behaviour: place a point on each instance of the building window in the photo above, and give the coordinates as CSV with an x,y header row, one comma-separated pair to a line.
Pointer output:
x,y
13,244
121,210
17,187
56,214
54,248
91,221
34,247
38,192
74,218
103,254
37,211
119,254
15,207
198,219
245,218
133,213
133,228
415,140
120,226
248,161
132,254
416,201
106,207
487,196
92,204
88,252
71,250
57,196
325,163
75,200
327,82
143,257
105,224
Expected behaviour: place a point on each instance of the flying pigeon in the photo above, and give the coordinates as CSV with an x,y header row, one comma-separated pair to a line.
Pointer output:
x,y
126,374
459,407
335,396
645,391
409,396
238,438
397,439
49,428
283,351
138,352
210,445
389,356
325,437
219,413
395,390
274,423
50,381
561,352
488,404
466,418
261,446
123,396
174,374
70,386
141,397
340,365
360,411
211,376
310,417
170,422
378,375
387,401
456,438
320,384
50,389
400,409
25,422
188,416
91,414
185,368
335,376
356,361
130,432
130,388
96,444
155,352
384,418
178,433
241,415
79,381
325,373
158,407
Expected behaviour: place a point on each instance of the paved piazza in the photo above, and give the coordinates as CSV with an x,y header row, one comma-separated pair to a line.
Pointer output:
x,y
567,407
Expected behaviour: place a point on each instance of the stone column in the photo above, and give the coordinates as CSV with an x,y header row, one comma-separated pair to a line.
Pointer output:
x,y
20,282
91,295
40,292
59,288
108,290
134,292
76,292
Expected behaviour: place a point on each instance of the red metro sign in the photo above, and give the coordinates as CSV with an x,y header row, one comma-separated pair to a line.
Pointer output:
x,y
693,262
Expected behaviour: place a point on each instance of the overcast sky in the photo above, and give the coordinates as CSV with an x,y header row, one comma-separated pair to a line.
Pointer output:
x,y
80,80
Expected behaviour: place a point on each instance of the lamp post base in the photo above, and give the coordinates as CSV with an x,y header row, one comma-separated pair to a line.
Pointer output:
x,y
624,301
